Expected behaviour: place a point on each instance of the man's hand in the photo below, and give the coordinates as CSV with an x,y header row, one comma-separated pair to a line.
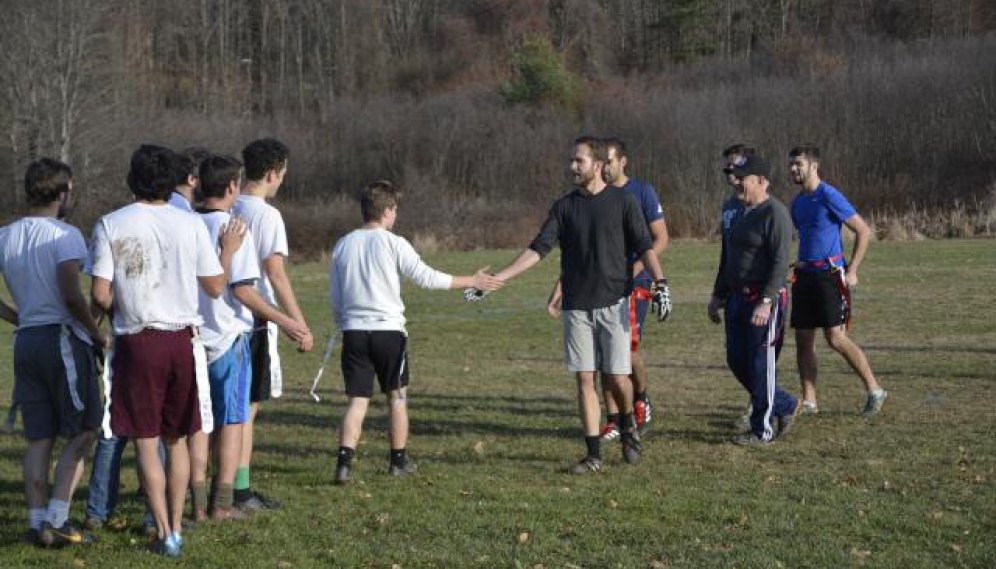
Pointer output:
x,y
483,280
101,339
762,313
231,235
715,304
851,277
553,306
306,343
660,301
482,283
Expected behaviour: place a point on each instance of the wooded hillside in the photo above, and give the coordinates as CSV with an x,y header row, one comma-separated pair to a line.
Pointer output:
x,y
470,105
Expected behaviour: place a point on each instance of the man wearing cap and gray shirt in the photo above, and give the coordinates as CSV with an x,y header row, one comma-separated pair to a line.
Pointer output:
x,y
750,283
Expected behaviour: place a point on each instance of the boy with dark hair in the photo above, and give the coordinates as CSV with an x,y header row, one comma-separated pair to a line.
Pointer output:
x,y
55,369
188,163
821,293
265,163
225,334
148,261
366,305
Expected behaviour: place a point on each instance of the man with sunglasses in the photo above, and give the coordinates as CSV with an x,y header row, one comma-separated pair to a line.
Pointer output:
x,y
751,284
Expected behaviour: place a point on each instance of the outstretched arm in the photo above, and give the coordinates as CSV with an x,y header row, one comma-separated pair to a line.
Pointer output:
x,y
480,280
526,259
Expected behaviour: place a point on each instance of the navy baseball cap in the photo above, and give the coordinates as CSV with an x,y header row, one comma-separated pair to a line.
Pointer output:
x,y
750,166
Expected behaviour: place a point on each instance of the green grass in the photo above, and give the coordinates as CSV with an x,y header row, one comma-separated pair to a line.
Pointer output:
x,y
494,424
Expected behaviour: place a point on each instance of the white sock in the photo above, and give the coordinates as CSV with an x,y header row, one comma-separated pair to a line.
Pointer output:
x,y
58,512
36,517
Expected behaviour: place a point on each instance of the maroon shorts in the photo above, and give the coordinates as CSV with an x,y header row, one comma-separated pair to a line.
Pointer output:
x,y
153,385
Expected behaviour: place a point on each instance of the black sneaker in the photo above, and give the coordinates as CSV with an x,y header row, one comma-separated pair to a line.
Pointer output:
x,y
256,502
343,474
31,536
631,448
66,534
408,469
587,465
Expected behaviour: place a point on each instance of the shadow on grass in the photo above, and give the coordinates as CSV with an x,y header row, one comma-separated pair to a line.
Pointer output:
x,y
935,349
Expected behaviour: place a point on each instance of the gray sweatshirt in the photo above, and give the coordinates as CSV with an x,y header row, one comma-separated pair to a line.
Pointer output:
x,y
756,251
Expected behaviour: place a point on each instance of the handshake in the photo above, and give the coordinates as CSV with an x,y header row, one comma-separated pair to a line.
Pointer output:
x,y
480,285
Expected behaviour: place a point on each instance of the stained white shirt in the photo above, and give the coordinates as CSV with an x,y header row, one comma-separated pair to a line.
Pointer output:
x,y
153,254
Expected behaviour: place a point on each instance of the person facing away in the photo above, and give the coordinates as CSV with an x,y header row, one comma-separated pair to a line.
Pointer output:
x,y
55,369
266,163
365,292
148,261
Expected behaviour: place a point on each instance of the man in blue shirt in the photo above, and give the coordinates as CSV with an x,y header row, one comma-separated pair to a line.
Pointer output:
x,y
823,279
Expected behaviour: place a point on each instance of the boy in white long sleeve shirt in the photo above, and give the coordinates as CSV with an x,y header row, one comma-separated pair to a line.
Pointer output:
x,y
365,288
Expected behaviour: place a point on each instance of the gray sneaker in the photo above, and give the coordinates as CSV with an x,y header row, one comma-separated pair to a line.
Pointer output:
x,y
587,465
751,440
409,469
874,403
810,408
631,448
785,422
343,475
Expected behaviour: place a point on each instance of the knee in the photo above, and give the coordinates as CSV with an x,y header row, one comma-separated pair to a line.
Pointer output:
x,y
836,340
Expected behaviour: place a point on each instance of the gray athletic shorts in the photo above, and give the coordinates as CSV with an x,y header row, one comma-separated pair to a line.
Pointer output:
x,y
598,339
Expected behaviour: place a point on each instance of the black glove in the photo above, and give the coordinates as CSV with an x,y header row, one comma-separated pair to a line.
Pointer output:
x,y
660,301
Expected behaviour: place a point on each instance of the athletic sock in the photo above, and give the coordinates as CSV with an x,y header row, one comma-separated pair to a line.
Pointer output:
x,y
344,457
642,396
37,517
58,512
398,457
199,490
592,445
242,492
223,496
242,478
626,422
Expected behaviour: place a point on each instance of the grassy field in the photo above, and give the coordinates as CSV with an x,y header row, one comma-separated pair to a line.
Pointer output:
x,y
494,425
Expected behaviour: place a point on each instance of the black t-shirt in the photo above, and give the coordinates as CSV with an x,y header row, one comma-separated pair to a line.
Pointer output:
x,y
595,234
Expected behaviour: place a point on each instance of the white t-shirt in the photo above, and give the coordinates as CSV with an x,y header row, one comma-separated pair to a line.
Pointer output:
x,y
222,323
364,281
177,200
269,236
153,254
31,249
